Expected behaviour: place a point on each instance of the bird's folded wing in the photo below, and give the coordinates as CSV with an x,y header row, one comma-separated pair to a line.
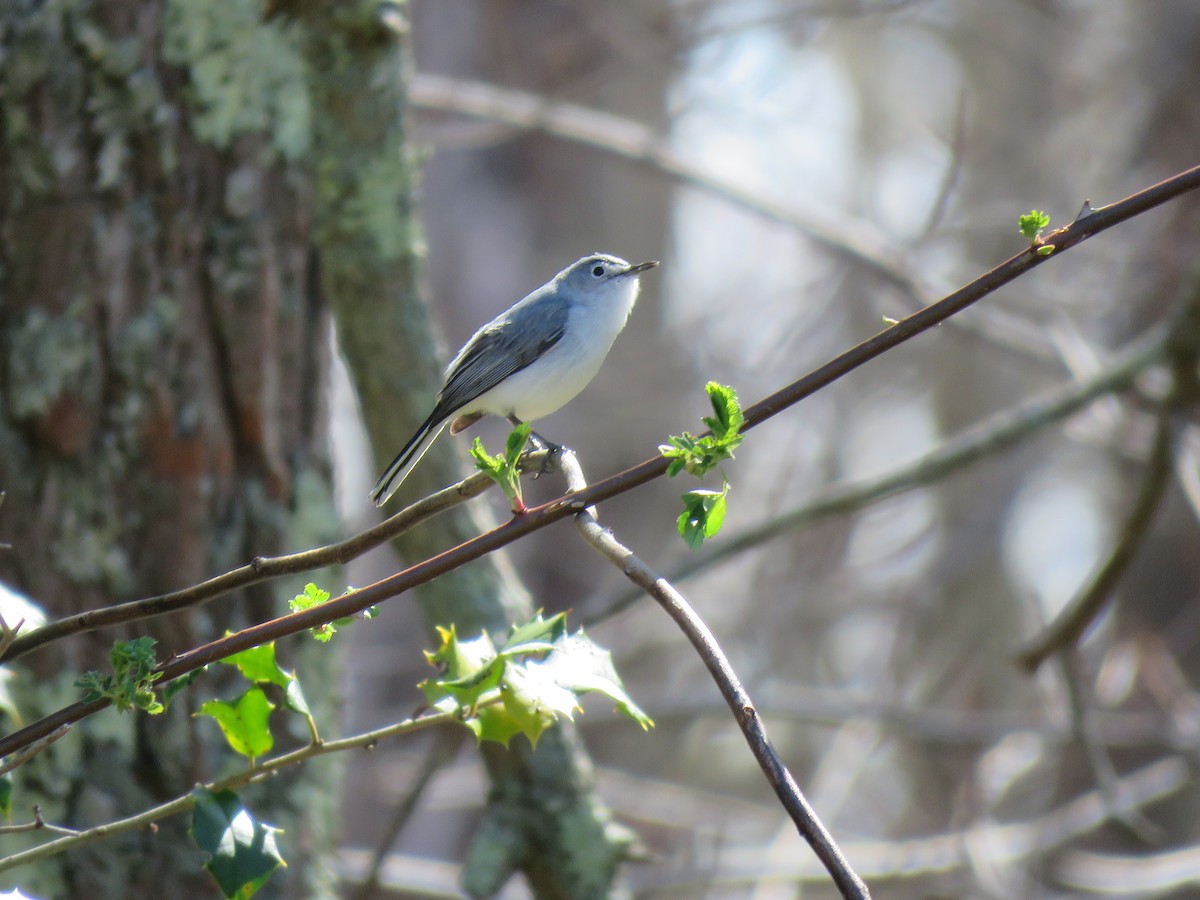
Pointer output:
x,y
499,350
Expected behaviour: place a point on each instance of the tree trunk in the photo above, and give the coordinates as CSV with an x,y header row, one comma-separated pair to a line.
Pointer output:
x,y
160,417
543,818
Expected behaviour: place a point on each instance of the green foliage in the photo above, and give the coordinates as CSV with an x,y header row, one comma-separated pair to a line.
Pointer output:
x,y
703,515
243,853
537,674
503,469
258,665
315,596
1031,225
700,455
704,510
6,796
131,686
245,722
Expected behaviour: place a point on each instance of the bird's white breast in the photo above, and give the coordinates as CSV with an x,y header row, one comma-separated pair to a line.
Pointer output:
x,y
565,369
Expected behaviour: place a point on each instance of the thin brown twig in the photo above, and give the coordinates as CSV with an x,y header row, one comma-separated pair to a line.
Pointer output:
x,y
442,752
260,569
8,763
251,775
745,713
539,517
1083,724
1095,596
38,824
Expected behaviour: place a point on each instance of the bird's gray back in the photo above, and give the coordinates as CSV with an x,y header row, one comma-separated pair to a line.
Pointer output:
x,y
505,345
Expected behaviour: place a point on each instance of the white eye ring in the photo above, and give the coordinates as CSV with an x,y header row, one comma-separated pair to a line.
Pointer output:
x,y
598,271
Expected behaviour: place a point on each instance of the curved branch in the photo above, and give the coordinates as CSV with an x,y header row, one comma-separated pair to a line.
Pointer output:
x,y
745,713
1095,596
248,776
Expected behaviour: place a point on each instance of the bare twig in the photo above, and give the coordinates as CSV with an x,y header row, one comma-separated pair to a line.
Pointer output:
x,y
38,824
443,750
539,517
638,143
744,711
1095,596
1083,723
258,570
251,775
983,840
27,753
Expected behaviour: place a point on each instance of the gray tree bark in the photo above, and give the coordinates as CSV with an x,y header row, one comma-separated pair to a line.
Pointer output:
x,y
160,390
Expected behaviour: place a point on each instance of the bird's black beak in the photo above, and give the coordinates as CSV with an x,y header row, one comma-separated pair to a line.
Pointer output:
x,y
642,267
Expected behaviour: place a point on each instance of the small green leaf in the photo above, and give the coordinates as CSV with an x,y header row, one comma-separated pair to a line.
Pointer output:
x,y
314,596
532,702
1032,224
131,686
515,445
472,668
700,455
581,665
258,664
294,697
537,634
484,461
703,515
310,597
539,671
1045,249
245,722
504,469
243,851
6,796
728,418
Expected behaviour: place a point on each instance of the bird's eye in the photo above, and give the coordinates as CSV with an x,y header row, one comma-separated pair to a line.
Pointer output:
x,y
598,271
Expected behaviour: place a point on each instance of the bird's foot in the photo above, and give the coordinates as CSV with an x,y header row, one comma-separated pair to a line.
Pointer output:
x,y
551,449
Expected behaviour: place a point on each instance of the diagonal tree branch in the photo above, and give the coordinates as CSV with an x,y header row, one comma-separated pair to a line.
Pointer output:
x,y
258,570
981,441
539,517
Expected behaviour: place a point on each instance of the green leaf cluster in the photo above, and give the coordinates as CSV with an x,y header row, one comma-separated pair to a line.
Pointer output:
x,y
525,684
703,515
1031,225
315,596
242,851
245,722
700,455
131,686
504,469
704,510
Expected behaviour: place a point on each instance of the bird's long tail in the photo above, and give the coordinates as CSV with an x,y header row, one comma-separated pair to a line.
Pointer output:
x,y
406,459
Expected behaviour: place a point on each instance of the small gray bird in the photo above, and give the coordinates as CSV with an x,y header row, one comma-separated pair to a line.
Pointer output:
x,y
531,359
